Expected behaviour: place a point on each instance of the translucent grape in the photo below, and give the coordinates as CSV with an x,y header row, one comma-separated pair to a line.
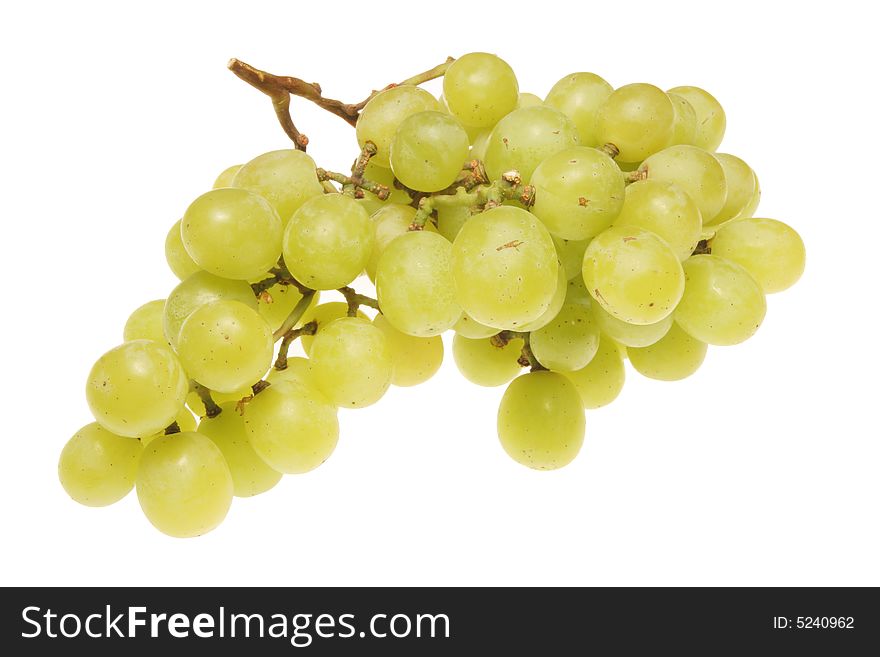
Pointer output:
x,y
638,119
481,362
226,177
667,211
771,251
232,233
414,284
179,261
145,323
553,308
504,267
293,428
696,171
352,362
684,130
578,96
525,99
286,179
428,151
630,335
633,274
415,359
524,138
578,192
380,118
541,420
328,242
752,206
571,255
722,303
450,219
711,121
184,485
480,89
468,327
250,473
390,222
197,290
322,315
569,341
98,468
674,357
137,388
279,301
601,380
225,345
741,184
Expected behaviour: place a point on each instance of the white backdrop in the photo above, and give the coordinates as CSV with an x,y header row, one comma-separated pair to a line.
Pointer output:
x,y
760,469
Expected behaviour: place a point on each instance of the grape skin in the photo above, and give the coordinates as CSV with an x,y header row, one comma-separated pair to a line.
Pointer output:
x,y
380,118
480,89
601,380
145,323
415,359
675,356
771,251
638,119
428,151
484,364
286,179
579,96
711,120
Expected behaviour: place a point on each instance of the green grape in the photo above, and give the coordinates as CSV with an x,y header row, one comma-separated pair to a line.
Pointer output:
x,y
389,223
225,345
428,151
578,192
638,119
196,291
569,341
279,301
504,267
480,89
286,179
195,404
184,420
137,388
633,274
481,362
578,96
601,380
415,359
541,420
771,251
525,99
298,370
684,130
571,255
179,261
232,233
553,308
741,184
711,120
380,118
674,357
322,315
352,362
370,203
293,428
722,303
250,473
697,172
384,176
450,219
226,176
328,241
468,327
98,468
524,138
184,485
752,206
667,211
630,335
414,284
145,323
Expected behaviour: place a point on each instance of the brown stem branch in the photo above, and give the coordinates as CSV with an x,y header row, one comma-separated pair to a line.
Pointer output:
x,y
355,300
309,328
211,407
172,428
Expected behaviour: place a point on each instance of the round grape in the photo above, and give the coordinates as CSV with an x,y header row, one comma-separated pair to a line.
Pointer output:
x,y
480,89
380,118
579,96
98,468
179,261
696,171
145,323
638,119
428,151
286,179
601,380
483,363
415,359
674,357
771,251
711,120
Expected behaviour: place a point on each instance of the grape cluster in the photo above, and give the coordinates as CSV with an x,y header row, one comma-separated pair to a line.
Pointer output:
x,y
594,226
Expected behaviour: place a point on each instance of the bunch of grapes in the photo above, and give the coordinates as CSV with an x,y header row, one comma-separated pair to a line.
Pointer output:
x,y
560,237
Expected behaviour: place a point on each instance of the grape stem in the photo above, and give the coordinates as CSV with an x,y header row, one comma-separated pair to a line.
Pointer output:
x,y
526,358
355,300
310,328
172,428
281,88
355,184
295,315
635,176
479,197
211,407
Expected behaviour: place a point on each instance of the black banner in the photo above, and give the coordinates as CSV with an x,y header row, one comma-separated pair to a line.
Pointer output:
x,y
419,621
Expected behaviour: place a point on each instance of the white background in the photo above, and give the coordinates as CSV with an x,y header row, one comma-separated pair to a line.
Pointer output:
x,y
760,469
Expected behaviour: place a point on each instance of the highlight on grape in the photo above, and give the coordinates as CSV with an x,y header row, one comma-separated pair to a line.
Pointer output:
x,y
556,238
